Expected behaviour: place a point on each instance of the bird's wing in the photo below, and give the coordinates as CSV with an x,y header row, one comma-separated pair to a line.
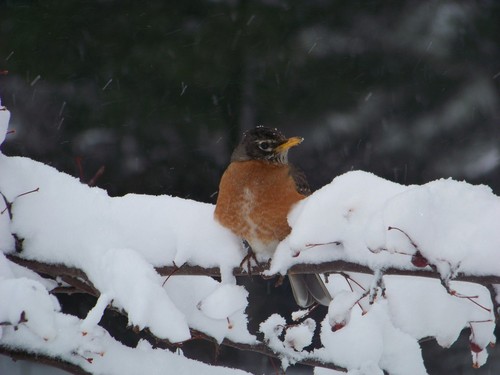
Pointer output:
x,y
300,180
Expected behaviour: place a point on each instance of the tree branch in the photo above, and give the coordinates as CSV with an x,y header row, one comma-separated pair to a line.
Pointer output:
x,y
16,354
264,349
328,267
337,266
494,300
73,276
260,348
79,280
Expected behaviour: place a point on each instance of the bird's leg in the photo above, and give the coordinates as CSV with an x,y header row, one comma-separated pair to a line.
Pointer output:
x,y
248,259
279,281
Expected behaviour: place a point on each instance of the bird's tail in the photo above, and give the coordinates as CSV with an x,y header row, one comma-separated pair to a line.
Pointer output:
x,y
309,288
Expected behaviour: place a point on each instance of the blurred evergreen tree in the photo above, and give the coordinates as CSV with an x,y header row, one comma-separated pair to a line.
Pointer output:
x,y
160,91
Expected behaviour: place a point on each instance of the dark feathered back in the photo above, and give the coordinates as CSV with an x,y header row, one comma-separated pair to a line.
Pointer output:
x,y
300,180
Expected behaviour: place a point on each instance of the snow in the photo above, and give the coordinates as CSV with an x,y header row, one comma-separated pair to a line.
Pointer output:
x,y
95,314
116,242
4,122
21,367
369,369
132,283
47,331
375,340
224,301
422,308
360,218
30,306
301,335
340,211
144,223
339,311
99,353
188,292
365,219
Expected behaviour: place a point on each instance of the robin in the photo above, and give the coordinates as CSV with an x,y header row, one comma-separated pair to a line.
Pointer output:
x,y
256,192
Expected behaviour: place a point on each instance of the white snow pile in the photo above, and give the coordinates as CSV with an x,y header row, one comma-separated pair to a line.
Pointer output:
x,y
32,322
373,322
116,242
365,219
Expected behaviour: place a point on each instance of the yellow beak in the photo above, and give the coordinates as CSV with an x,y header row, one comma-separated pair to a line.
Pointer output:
x,y
294,141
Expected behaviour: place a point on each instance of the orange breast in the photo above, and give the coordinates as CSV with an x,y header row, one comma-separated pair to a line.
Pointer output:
x,y
254,200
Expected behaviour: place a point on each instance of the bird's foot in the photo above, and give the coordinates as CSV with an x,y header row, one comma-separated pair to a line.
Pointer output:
x,y
248,260
279,281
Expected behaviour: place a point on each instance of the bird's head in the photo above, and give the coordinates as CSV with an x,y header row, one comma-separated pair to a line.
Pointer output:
x,y
266,144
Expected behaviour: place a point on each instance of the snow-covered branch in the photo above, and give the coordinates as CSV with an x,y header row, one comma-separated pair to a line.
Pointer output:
x,y
43,359
338,266
79,281
404,263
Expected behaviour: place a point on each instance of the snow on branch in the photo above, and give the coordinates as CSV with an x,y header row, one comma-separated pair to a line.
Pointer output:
x,y
397,291
43,359
402,263
79,281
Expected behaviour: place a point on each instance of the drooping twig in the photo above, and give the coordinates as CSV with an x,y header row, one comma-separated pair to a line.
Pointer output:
x,y
407,236
177,269
93,180
8,204
98,174
420,261
496,305
78,162
348,280
377,284
471,298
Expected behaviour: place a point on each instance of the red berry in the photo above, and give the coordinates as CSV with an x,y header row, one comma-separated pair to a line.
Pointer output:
x,y
338,326
418,260
475,347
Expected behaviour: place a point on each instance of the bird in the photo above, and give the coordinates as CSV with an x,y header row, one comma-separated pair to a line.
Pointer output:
x,y
256,193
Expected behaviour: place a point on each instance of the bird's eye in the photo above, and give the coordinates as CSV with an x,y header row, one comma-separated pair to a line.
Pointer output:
x,y
265,146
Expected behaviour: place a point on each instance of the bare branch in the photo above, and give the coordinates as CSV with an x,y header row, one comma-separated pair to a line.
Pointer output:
x,y
73,276
260,348
77,279
43,359
337,266
494,300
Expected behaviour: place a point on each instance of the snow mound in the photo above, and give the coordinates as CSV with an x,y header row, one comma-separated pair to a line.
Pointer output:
x,y
365,219
445,225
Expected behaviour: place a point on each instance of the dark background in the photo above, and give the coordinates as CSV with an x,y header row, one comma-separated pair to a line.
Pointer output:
x,y
159,92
